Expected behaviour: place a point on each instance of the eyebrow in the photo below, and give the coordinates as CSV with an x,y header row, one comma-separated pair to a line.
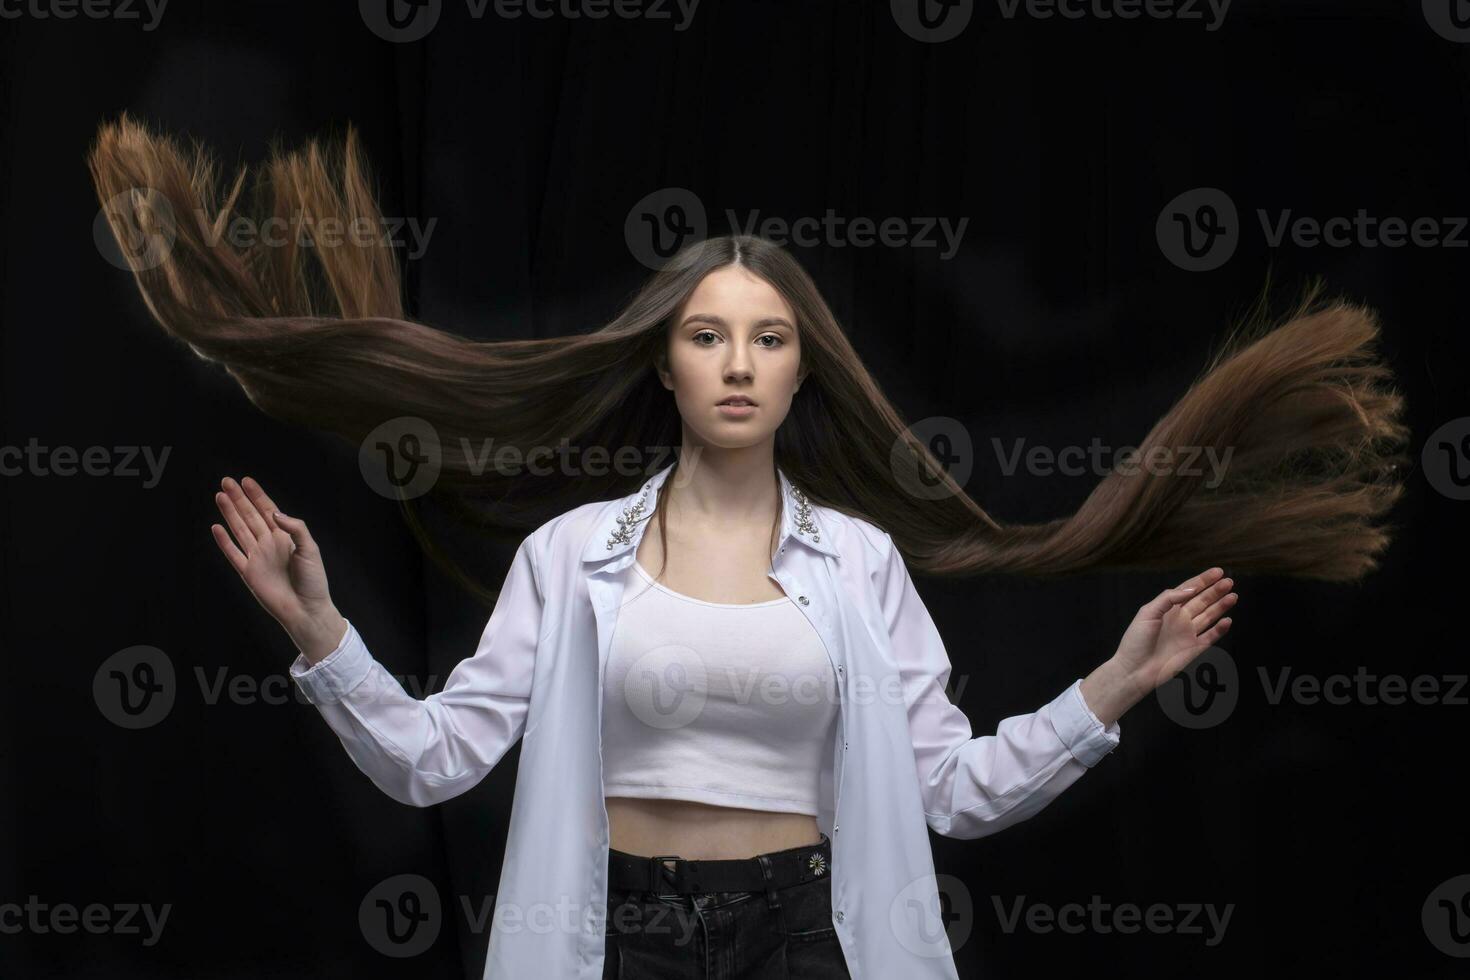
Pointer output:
x,y
766,321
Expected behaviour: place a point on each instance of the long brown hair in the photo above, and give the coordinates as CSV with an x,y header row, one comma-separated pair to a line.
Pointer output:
x,y
318,336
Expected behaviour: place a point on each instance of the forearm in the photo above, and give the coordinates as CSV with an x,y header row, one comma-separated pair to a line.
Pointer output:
x,y
421,751
1110,691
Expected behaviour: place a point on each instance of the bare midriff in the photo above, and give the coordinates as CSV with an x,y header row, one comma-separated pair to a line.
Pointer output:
x,y
701,831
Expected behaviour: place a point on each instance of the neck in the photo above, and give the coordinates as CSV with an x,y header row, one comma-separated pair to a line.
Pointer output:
x,y
727,486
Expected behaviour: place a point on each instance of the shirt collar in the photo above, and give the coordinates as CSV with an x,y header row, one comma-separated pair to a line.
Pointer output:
x,y
623,527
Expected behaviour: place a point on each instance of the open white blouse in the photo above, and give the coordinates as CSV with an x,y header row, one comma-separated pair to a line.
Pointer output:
x,y
903,757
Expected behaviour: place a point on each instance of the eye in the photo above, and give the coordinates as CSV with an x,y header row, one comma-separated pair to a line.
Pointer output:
x,y
702,333
771,336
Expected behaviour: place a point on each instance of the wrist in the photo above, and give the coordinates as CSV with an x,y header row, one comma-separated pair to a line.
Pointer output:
x,y
318,634
1110,690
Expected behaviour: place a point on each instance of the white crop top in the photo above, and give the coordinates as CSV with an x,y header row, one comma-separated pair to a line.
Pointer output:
x,y
732,704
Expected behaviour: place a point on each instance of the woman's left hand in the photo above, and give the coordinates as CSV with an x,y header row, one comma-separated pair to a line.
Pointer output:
x,y
1174,628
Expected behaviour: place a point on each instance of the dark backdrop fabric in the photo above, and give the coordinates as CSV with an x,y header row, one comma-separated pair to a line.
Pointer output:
x,y
1324,829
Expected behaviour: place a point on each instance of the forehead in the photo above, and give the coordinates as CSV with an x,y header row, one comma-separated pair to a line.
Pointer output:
x,y
736,292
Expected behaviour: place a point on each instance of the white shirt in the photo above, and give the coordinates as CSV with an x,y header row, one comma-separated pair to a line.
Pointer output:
x,y
730,704
904,758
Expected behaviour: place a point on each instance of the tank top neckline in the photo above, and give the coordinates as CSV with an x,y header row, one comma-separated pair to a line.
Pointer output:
x,y
704,602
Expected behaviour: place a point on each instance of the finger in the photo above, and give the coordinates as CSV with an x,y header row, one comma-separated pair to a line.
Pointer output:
x,y
1219,608
1167,600
1211,637
244,537
1203,580
247,510
232,554
1208,597
262,501
300,536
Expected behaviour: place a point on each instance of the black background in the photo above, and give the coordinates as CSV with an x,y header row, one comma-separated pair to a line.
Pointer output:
x,y
1326,827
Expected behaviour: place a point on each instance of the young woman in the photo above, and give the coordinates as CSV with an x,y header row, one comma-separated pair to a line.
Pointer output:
x,y
734,733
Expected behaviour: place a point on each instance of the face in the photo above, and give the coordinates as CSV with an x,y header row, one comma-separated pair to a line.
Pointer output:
x,y
734,337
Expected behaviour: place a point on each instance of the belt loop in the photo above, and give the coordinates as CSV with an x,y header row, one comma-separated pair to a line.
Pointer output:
x,y
770,882
658,872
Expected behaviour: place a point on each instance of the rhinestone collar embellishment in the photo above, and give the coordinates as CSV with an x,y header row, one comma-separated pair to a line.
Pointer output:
x,y
628,519
804,522
634,512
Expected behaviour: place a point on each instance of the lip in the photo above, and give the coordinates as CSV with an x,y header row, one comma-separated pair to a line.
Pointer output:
x,y
726,400
737,410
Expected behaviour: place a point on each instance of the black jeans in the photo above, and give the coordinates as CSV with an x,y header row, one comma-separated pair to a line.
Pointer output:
x,y
724,935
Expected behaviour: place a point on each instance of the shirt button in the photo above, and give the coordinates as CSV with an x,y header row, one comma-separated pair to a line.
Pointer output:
x,y
839,915
802,599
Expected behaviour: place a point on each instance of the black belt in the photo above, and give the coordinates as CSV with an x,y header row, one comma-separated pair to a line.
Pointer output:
x,y
763,872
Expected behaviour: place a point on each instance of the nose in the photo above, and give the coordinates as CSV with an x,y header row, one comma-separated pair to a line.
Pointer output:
x,y
738,368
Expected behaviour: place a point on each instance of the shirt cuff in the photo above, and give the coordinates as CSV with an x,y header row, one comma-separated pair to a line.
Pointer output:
x,y
335,675
1081,730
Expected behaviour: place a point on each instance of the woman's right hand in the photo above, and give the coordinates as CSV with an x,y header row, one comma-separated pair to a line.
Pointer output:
x,y
280,565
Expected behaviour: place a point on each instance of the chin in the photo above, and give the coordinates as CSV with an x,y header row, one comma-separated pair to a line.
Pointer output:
x,y
727,439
